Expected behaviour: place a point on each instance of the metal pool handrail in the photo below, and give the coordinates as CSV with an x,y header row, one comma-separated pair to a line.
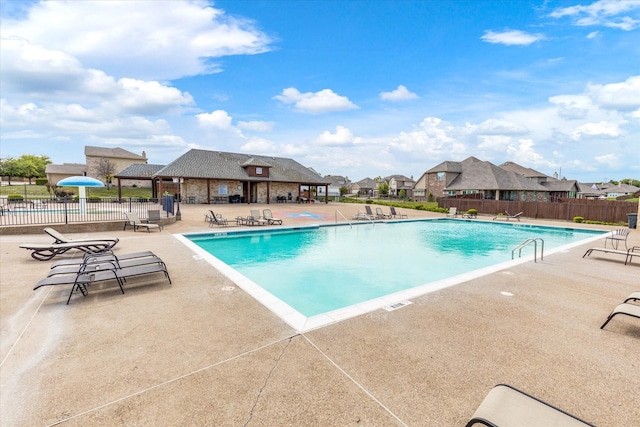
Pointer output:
x,y
345,218
535,248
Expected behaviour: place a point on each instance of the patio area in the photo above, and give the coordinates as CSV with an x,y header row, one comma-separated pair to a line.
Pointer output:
x,y
203,352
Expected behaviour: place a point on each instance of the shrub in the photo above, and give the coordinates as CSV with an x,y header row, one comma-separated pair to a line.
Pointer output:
x,y
15,198
94,199
41,181
472,211
578,219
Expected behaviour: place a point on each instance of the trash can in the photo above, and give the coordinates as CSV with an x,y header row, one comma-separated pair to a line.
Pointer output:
x,y
632,219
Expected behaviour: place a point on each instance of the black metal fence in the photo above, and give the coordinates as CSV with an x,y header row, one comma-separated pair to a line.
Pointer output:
x,y
68,211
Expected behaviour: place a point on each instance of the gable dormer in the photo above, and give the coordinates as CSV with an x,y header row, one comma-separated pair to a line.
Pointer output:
x,y
256,168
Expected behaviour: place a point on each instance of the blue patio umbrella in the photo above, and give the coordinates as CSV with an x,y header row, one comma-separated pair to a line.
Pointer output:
x,y
82,182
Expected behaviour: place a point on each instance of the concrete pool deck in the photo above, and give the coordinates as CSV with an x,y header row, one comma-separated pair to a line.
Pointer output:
x,y
203,352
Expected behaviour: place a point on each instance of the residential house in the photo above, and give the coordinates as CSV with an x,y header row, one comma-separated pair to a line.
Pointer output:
x,y
619,190
557,188
55,173
364,187
479,179
398,183
335,183
118,157
203,176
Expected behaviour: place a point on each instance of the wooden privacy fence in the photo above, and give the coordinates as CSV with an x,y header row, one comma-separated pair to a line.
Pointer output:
x,y
563,209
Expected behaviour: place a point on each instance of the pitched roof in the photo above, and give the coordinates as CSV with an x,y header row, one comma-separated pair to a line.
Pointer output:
x,y
139,170
367,183
67,168
117,153
447,166
481,175
223,165
561,185
527,172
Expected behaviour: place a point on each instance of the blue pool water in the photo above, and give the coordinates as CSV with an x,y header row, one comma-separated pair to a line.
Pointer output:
x,y
322,269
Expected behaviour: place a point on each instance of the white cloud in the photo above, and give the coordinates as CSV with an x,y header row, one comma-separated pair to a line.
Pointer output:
x,y
593,34
499,127
136,39
432,137
572,106
324,101
611,160
256,126
620,96
400,94
602,12
597,129
511,37
342,136
260,146
217,119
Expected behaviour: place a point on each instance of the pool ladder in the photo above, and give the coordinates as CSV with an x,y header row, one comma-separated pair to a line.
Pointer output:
x,y
535,248
345,218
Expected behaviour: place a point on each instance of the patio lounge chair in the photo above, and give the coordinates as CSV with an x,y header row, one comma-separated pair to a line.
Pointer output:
x,y
632,310
507,216
98,271
216,219
105,261
46,251
617,236
134,220
369,212
381,215
98,256
61,238
266,214
635,296
507,406
361,216
256,219
154,217
453,212
395,214
628,254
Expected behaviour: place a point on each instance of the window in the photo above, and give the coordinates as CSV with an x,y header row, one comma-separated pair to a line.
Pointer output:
x,y
258,171
451,192
523,195
440,176
469,191
222,189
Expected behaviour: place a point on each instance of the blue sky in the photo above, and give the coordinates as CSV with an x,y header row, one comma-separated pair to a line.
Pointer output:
x,y
353,88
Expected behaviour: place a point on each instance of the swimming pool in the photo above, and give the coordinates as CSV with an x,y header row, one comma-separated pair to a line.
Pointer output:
x,y
323,272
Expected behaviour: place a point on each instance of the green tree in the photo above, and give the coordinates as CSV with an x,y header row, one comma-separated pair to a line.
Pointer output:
x,y
403,194
10,168
33,166
383,188
343,190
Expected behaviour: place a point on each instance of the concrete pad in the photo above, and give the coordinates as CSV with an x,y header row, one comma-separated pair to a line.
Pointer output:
x,y
203,352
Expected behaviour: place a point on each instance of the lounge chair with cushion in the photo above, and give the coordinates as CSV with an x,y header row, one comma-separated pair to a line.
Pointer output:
x,y
453,212
61,238
507,216
134,220
216,219
266,214
507,406
46,251
395,214
617,236
632,310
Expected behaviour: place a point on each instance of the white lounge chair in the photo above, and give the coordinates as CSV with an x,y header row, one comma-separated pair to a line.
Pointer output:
x,y
268,215
134,220
453,212
507,216
617,236
632,310
507,406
